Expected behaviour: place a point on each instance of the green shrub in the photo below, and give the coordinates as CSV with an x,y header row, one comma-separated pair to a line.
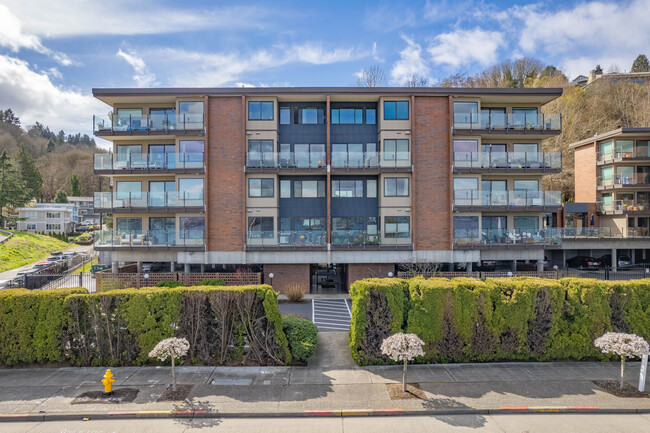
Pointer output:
x,y
173,284
213,283
302,336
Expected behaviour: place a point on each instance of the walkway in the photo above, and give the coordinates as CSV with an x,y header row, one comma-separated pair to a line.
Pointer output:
x,y
331,314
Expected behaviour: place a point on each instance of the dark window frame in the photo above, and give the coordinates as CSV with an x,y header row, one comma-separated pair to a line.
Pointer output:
x,y
397,116
262,179
395,179
261,111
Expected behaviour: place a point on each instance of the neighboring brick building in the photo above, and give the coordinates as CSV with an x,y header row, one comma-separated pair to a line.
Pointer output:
x,y
323,186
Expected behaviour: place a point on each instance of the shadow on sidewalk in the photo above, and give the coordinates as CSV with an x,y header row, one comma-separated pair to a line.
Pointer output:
x,y
471,421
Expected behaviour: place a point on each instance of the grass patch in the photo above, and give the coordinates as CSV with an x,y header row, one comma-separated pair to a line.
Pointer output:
x,y
86,268
24,248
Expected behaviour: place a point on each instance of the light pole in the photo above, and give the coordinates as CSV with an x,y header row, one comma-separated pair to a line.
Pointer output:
x,y
271,277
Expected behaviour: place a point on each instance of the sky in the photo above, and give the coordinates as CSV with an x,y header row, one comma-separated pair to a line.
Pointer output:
x,y
53,52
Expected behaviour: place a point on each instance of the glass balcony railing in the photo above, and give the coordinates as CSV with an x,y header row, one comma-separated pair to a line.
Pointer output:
x,y
355,238
147,161
167,199
149,238
528,199
318,160
509,160
318,238
508,122
633,153
506,237
624,179
148,123
620,206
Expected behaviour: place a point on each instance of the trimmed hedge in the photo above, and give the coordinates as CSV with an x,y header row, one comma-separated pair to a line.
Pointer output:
x,y
302,336
235,325
470,320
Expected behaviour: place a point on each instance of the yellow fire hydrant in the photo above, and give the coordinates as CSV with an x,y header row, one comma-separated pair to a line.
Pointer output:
x,y
108,382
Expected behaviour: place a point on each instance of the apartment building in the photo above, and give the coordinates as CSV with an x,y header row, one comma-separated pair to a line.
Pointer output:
x,y
323,186
83,212
612,173
47,218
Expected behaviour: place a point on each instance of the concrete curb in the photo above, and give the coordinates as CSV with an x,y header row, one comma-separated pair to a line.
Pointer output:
x,y
153,414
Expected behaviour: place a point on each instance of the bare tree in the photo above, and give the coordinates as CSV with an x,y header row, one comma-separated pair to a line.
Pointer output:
x,y
417,80
374,76
426,269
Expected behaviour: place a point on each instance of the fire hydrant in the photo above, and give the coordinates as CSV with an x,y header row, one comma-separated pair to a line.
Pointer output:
x,y
108,382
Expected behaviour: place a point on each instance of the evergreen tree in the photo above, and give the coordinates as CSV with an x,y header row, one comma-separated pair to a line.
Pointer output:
x,y
29,173
8,116
13,192
75,185
598,70
641,64
60,138
61,197
50,146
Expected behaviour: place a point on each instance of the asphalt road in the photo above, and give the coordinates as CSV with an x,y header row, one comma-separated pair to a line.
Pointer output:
x,y
447,423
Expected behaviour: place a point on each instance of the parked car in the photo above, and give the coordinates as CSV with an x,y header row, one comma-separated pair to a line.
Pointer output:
x,y
583,262
622,261
42,265
56,253
82,229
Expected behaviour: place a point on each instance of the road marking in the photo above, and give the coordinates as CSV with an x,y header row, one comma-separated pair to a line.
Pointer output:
x,y
331,314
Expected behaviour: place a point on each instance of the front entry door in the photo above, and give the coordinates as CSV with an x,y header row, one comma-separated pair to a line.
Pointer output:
x,y
328,279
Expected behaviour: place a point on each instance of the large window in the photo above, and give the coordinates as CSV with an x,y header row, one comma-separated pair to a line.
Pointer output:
x,y
285,116
465,227
128,154
260,187
192,150
260,153
396,110
191,189
347,188
492,118
53,215
625,148
260,227
526,223
396,187
191,227
396,150
397,227
161,192
128,190
190,115
308,188
347,116
162,230
162,118
466,113
525,117
128,225
371,116
260,110
310,116
129,119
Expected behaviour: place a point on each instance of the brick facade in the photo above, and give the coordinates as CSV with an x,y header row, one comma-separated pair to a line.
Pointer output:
x,y
226,138
431,186
359,271
585,174
288,274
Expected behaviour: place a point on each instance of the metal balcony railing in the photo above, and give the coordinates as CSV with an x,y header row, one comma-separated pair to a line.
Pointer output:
x,y
128,200
515,122
524,198
318,238
621,206
634,153
624,179
149,238
507,237
148,161
508,160
311,160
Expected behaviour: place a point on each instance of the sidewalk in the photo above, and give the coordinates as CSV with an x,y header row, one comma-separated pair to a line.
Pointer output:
x,y
300,391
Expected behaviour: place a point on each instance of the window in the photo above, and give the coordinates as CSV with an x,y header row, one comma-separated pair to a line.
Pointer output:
x,y
192,150
397,226
128,225
190,115
396,187
285,116
162,230
260,187
526,151
625,148
465,227
310,116
492,118
308,188
285,188
396,150
53,226
30,215
260,110
347,188
190,189
347,116
260,153
526,223
465,150
605,148
53,215
371,188
31,226
162,118
128,154
396,110
526,185
128,190
466,113
129,119
260,227
161,193
494,228
191,227
371,116
465,190
524,116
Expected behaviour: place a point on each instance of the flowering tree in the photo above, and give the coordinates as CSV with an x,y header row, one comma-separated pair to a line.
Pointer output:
x,y
174,347
625,345
402,347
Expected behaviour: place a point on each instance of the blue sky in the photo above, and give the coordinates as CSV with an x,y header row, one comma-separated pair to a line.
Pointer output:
x,y
52,53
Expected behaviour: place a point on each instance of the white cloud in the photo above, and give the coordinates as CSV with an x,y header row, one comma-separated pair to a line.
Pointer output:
x,y
465,47
317,55
51,19
375,53
386,18
35,98
142,77
410,63
13,37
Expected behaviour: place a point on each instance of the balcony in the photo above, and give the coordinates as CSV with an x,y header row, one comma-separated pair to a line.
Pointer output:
x,y
623,181
184,240
506,162
508,123
620,207
474,200
148,163
170,201
634,154
341,161
317,240
147,124
605,233
507,238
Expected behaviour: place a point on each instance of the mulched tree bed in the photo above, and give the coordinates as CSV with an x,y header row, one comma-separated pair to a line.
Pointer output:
x,y
413,391
614,387
181,393
121,395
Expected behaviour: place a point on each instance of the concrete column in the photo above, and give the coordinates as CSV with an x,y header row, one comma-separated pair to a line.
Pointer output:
x,y
172,266
643,253
114,267
468,268
202,268
563,258
187,268
514,266
540,266
614,260
139,267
